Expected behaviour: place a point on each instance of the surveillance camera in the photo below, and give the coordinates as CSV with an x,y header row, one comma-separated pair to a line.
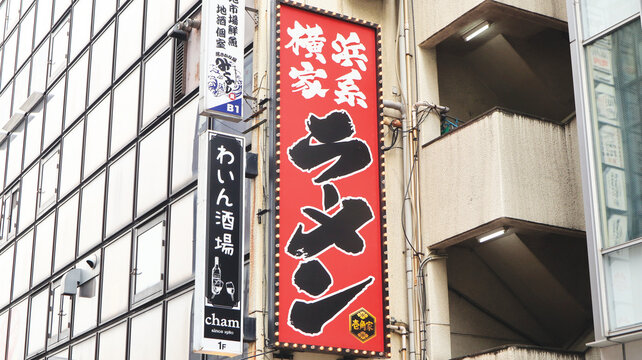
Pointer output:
x,y
92,261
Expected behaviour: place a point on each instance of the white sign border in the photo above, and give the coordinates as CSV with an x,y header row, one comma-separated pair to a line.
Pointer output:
x,y
200,344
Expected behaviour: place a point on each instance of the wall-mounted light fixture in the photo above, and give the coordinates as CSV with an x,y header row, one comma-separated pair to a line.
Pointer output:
x,y
492,235
474,32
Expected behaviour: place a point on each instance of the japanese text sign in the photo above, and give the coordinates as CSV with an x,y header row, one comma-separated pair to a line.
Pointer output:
x,y
218,316
330,283
221,87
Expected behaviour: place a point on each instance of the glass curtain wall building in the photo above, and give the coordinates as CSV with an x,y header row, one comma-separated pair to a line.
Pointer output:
x,y
606,41
98,172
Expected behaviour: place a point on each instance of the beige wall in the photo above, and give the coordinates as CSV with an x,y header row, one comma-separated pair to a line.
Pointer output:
x,y
502,165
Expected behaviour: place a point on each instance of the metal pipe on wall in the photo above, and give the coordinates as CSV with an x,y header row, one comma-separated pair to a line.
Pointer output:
x,y
408,158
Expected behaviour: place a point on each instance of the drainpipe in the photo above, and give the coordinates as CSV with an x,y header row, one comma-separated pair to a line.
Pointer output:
x,y
403,331
406,84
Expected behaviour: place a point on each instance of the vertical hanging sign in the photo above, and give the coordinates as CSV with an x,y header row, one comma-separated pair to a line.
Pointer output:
x,y
218,304
331,283
221,81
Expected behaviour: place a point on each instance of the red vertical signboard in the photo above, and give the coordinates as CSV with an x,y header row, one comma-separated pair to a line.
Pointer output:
x,y
331,284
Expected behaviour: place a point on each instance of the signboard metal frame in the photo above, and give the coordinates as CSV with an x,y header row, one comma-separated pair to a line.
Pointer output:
x,y
206,181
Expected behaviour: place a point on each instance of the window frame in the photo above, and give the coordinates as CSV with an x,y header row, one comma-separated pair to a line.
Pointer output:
x,y
55,155
61,336
157,288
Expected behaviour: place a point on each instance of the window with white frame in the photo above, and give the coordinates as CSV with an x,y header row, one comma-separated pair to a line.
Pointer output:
x,y
59,49
10,205
48,180
149,259
59,315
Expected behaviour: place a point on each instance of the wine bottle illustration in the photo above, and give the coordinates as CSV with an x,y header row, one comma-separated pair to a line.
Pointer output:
x,y
217,283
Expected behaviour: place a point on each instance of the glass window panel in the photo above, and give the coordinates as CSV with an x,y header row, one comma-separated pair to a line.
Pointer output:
x,y
17,331
59,315
184,6
86,308
145,339
80,26
113,343
130,31
60,7
115,278
85,350
66,233
120,197
43,248
28,197
103,11
48,180
38,322
10,213
160,17
102,56
26,4
9,58
149,258
157,83
181,239
13,13
59,48
5,103
3,163
43,18
614,80
26,36
14,164
22,270
63,355
152,168
21,88
96,137
6,267
39,65
3,22
177,327
53,113
76,90
624,286
185,147
599,15
71,159
91,214
4,317
34,134
125,120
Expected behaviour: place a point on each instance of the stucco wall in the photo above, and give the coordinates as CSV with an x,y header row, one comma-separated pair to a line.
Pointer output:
x,y
502,165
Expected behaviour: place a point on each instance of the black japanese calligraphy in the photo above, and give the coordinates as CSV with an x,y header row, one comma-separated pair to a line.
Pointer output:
x,y
330,140
309,317
340,230
312,278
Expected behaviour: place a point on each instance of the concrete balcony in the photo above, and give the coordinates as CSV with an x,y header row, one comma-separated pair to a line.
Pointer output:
x,y
529,286
501,169
458,17
520,352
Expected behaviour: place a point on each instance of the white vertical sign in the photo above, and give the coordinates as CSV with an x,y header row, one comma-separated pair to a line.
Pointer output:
x,y
222,41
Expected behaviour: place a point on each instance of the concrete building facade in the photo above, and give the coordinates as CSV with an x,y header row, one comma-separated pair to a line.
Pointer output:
x,y
98,167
